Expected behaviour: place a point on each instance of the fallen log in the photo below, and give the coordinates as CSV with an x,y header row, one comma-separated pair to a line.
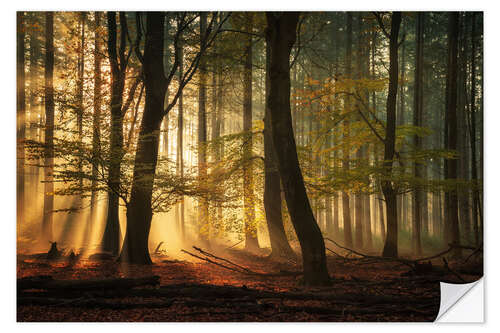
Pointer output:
x,y
203,291
90,303
48,283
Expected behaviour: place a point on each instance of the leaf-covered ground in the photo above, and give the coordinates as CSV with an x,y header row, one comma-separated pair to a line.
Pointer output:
x,y
360,291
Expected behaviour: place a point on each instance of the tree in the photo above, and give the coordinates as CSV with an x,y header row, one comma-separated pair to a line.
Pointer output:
x,y
202,138
476,206
272,187
346,212
452,232
48,200
251,240
390,193
118,62
21,115
417,121
280,34
96,121
139,208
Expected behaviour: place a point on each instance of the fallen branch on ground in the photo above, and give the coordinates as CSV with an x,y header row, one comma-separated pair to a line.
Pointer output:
x,y
240,269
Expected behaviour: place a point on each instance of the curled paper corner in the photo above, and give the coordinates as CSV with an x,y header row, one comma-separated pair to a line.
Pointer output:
x,y
461,303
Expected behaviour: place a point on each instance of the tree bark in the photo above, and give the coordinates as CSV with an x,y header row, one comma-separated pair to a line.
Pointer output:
x,y
280,34
346,212
452,234
390,194
111,237
417,121
204,223
476,211
251,240
96,123
180,143
139,211
272,188
48,200
21,115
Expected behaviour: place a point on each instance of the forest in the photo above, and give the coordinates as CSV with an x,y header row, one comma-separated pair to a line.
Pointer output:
x,y
247,166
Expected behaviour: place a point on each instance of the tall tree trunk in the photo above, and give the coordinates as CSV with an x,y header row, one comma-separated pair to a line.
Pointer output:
x,y
346,212
180,142
167,65
111,237
463,160
79,118
48,200
472,128
204,232
251,240
390,193
272,189
417,121
280,34
359,197
139,211
96,124
21,115
452,234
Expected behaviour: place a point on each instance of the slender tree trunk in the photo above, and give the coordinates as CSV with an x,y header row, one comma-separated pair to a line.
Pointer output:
x,y
463,195
167,65
251,240
21,115
345,153
96,124
204,232
390,193
48,200
180,142
272,189
139,210
451,110
472,128
280,34
111,237
417,121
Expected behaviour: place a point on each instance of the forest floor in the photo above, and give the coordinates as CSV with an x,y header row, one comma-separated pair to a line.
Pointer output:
x,y
197,290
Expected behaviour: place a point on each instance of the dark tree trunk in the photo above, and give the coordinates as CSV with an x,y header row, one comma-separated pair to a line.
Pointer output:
x,y
272,188
251,240
203,221
452,229
417,121
96,125
167,65
280,34
346,212
180,142
111,237
476,209
21,116
463,160
358,197
139,211
79,115
48,201
390,193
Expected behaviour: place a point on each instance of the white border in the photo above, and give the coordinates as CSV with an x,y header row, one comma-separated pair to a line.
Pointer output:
x,y
7,133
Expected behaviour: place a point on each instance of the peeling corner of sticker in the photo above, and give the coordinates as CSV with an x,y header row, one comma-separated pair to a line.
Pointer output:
x,y
461,303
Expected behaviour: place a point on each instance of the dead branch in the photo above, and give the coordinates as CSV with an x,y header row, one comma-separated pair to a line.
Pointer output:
x,y
240,269
222,259
452,271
